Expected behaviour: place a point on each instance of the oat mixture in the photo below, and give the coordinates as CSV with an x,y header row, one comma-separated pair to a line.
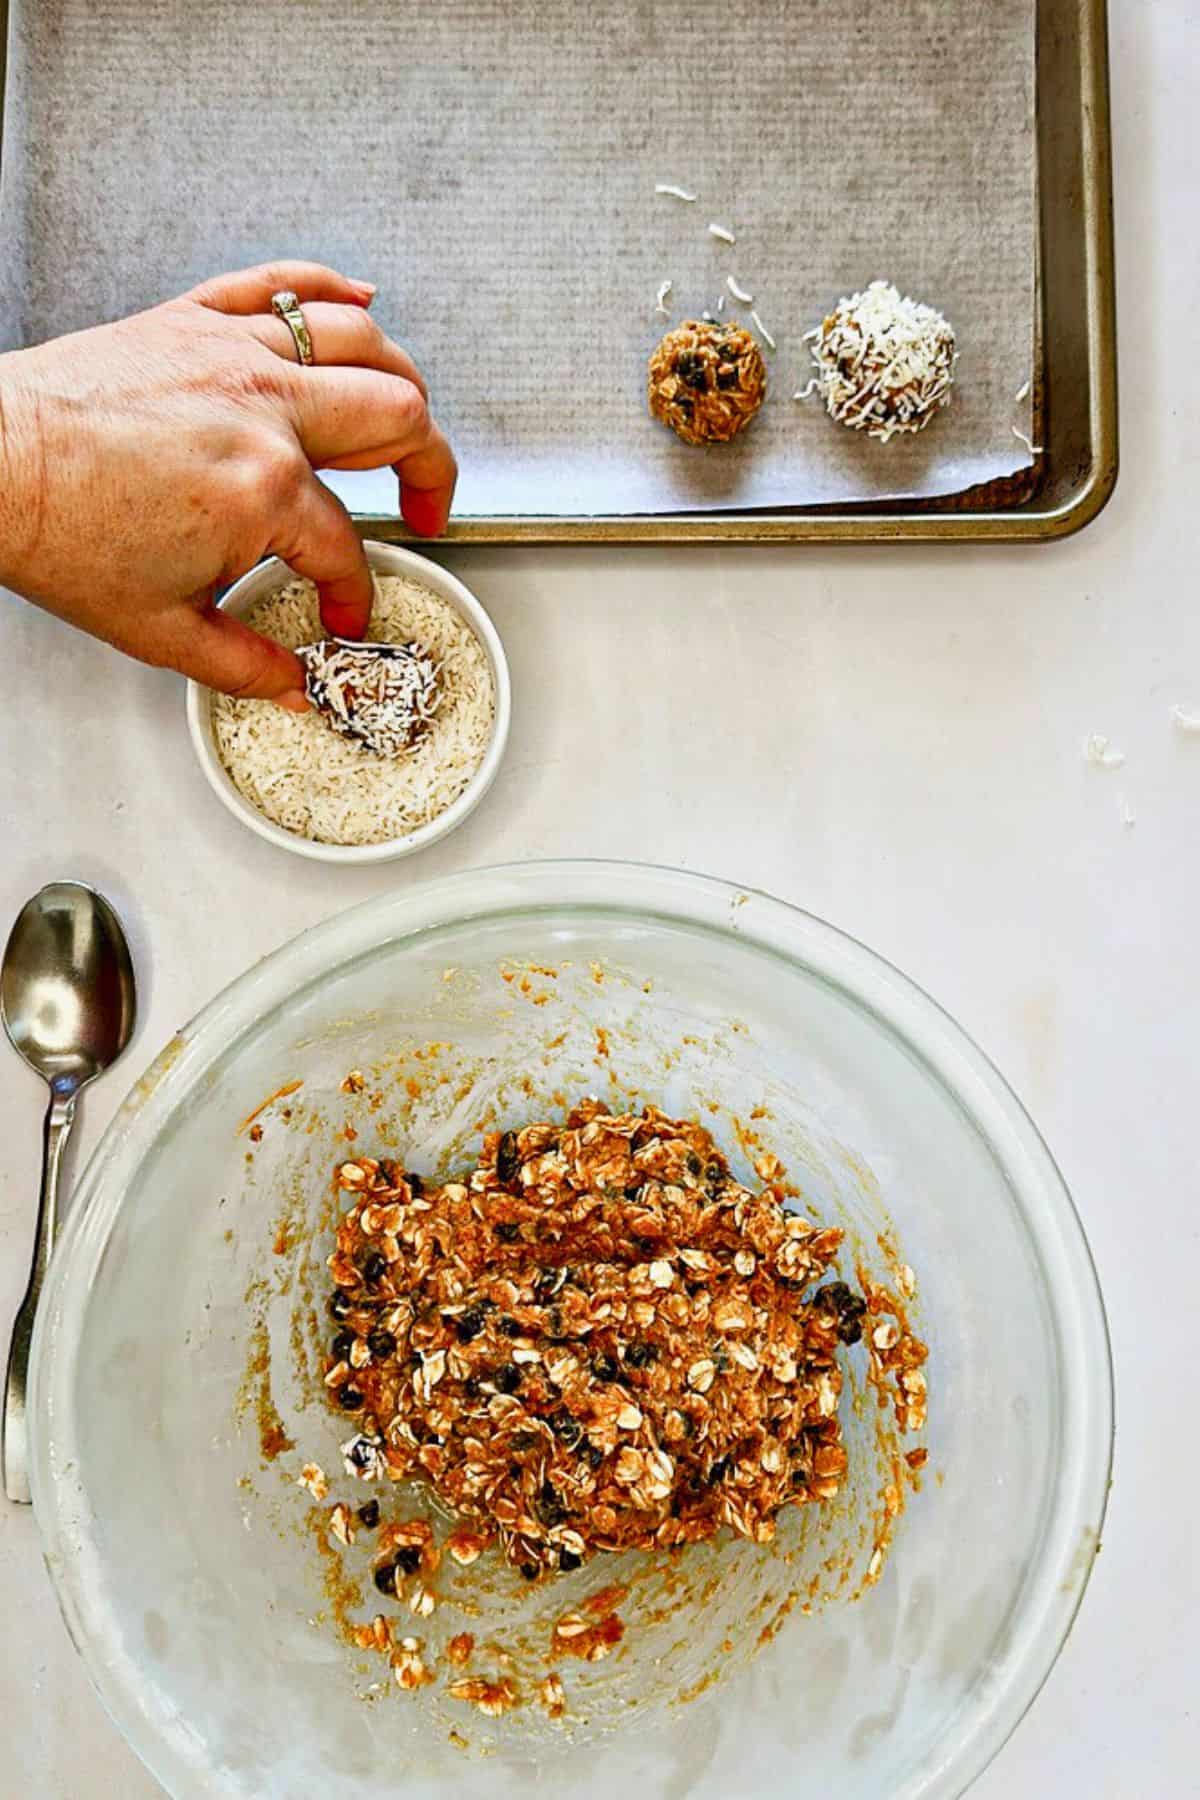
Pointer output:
x,y
600,1340
707,381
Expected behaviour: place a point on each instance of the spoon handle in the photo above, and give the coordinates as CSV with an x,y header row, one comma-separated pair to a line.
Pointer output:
x,y
60,1117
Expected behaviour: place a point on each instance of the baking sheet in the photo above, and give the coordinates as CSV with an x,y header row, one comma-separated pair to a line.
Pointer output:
x,y
493,167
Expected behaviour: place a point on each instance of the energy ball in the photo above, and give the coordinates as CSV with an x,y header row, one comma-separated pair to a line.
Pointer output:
x,y
707,381
883,364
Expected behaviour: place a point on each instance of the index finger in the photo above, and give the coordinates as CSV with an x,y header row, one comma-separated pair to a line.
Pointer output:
x,y
250,290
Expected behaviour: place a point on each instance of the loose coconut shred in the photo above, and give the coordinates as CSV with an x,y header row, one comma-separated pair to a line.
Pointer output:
x,y
884,364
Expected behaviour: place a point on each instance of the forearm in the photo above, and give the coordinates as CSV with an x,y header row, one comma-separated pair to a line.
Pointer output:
x,y
22,491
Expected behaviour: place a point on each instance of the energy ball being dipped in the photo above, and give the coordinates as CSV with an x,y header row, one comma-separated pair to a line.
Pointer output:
x,y
707,381
382,696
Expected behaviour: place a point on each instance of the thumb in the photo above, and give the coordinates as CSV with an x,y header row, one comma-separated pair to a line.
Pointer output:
x,y
222,653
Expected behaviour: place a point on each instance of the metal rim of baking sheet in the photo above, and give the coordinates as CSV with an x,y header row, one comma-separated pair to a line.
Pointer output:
x,y
1076,383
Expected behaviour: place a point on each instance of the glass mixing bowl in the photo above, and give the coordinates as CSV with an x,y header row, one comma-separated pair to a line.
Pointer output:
x,y
175,1379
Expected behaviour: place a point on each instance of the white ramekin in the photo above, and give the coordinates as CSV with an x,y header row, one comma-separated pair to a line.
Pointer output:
x,y
385,559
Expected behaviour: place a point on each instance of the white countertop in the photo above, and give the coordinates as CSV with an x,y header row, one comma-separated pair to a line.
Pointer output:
x,y
911,768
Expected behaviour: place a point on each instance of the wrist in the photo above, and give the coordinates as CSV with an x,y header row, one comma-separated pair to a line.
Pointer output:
x,y
20,464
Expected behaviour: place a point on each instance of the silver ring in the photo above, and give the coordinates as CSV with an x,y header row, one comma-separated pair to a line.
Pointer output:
x,y
286,306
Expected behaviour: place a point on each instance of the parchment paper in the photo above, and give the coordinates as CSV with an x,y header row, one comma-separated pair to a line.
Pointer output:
x,y
492,165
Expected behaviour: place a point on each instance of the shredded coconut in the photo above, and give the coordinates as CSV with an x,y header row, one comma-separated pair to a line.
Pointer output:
x,y
1024,438
883,364
328,788
763,333
720,303
739,293
1184,720
676,193
1100,753
722,231
1126,813
660,299
1022,393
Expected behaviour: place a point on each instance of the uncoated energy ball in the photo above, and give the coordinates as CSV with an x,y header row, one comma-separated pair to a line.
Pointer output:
x,y
707,381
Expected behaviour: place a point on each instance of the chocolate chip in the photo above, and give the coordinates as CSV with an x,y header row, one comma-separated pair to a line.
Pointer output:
x,y
726,378
849,1308
339,1305
509,1327
368,1514
508,1159
507,1230
691,370
409,1558
374,1268
567,1560
604,1368
639,1354
550,1508
566,1428
349,1398
342,1345
385,1578
693,1164
507,1378
719,1471
530,1571
416,1186
469,1324
380,1343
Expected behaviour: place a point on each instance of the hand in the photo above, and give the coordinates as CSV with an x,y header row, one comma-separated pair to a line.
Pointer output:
x,y
147,463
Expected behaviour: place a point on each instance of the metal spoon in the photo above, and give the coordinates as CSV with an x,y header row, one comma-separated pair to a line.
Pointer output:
x,y
67,999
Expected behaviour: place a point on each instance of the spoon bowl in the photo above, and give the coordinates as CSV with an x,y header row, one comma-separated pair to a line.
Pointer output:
x,y
67,993
68,1002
